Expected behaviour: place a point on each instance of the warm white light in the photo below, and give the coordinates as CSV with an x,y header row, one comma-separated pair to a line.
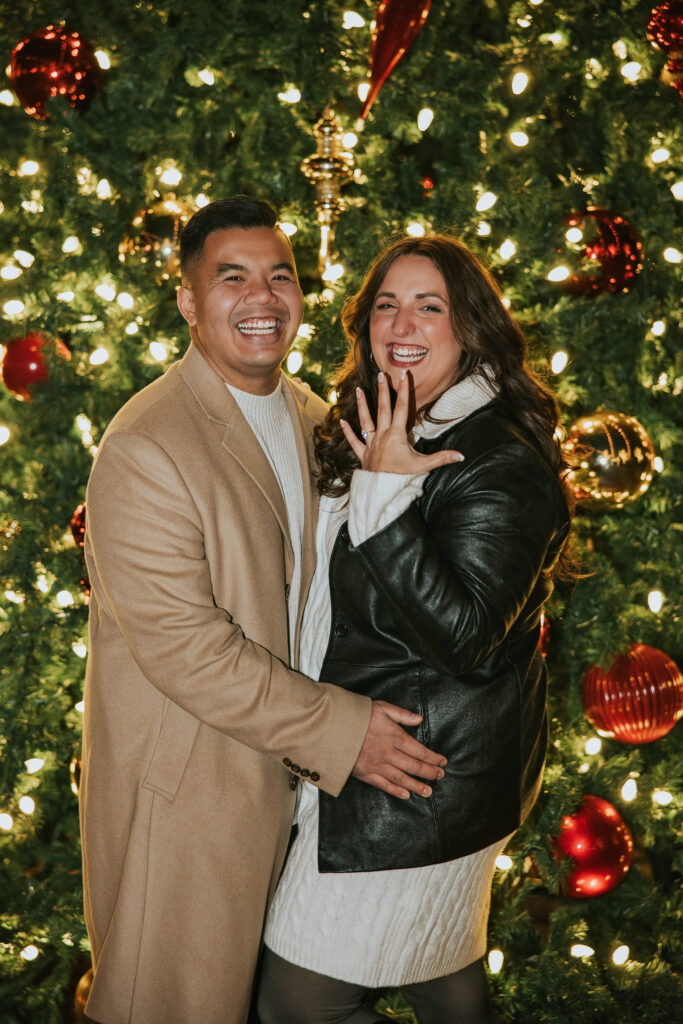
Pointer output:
x,y
201,200
629,791
560,273
352,20
631,71
106,291
658,463
290,95
620,955
171,176
29,953
672,255
10,273
83,423
103,190
662,797
486,201
71,244
7,98
619,49
99,356
80,706
64,599
415,229
506,301
294,361
483,228
559,361
34,764
349,140
520,80
536,3
4,435
15,307
507,249
158,351
79,648
42,584
655,600
593,745
581,951
33,205
207,76
28,167
125,300
27,805
306,331
14,597
6,822
287,228
660,155
26,259
102,59
67,296
363,90
132,328
658,328
519,139
332,396
333,272
496,959
425,118
503,862
677,189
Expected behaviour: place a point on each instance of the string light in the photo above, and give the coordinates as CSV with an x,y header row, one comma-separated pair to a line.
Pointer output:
x,y
6,98
79,648
14,307
658,328
662,797
79,706
655,600
333,273
106,291
26,259
559,361
27,805
507,249
99,356
201,200
6,822
71,244
496,959
582,951
28,168
660,155
520,80
14,597
677,189
632,70
593,745
290,95
4,435
171,176
352,20
415,229
672,255
294,361
620,955
125,300
629,791
658,464
29,953
207,76
332,396
103,190
619,49
158,351
349,140
64,599
10,273
425,118
67,296
102,59
560,273
287,229
363,90
519,139
503,862
483,228
132,328
34,764
486,202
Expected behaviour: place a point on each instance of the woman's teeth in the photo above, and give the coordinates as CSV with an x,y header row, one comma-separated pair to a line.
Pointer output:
x,y
407,354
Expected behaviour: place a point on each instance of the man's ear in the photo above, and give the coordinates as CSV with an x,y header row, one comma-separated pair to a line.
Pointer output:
x,y
185,301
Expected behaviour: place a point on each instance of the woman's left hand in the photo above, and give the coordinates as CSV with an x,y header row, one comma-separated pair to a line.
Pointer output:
x,y
385,448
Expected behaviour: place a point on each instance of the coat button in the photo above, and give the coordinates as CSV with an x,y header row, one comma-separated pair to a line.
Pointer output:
x,y
295,768
315,776
287,762
340,629
304,773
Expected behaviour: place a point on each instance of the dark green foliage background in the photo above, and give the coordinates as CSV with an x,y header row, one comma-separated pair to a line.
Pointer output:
x,y
591,140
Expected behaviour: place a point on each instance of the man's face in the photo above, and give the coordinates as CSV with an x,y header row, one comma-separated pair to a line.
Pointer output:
x,y
243,304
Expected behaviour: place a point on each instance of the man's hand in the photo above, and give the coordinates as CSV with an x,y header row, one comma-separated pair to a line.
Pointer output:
x,y
389,757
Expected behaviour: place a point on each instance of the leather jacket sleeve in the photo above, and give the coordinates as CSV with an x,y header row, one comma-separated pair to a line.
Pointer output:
x,y
459,565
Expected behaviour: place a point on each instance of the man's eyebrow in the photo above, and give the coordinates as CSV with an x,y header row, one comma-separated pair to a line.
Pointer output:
x,y
225,268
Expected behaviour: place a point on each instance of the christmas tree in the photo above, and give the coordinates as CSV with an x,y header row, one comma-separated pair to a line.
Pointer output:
x,y
544,135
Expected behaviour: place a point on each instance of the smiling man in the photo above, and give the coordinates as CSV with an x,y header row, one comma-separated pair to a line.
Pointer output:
x,y
200,550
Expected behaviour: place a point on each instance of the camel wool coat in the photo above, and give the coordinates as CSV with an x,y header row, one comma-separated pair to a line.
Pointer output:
x,y
191,710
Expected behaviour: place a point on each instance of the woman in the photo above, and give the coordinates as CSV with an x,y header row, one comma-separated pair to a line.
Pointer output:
x,y
436,584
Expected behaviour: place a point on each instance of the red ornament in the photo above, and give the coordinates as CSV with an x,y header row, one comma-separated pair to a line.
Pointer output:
x,y
396,25
77,525
427,184
22,364
615,246
638,700
53,62
665,27
544,635
599,842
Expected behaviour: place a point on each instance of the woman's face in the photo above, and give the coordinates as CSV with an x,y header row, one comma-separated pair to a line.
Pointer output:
x,y
410,327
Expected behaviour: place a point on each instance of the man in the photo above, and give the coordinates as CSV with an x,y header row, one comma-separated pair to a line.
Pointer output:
x,y
200,531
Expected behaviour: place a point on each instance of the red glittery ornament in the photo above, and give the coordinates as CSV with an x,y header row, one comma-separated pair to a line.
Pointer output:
x,y
22,364
614,246
396,25
427,184
599,842
77,525
665,26
53,62
638,700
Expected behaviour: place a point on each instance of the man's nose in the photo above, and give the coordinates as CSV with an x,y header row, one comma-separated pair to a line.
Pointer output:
x,y
262,291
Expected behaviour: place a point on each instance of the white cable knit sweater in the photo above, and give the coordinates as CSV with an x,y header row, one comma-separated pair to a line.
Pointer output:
x,y
378,928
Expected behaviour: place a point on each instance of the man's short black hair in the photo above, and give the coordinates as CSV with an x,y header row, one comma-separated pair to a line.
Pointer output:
x,y
233,212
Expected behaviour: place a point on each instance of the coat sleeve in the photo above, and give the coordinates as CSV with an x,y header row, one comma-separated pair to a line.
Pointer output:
x,y
458,581
147,566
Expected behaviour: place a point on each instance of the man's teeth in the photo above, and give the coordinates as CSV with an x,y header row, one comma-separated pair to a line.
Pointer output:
x,y
254,326
407,355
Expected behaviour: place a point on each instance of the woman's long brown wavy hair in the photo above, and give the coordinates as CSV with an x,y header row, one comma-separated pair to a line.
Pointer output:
x,y
491,341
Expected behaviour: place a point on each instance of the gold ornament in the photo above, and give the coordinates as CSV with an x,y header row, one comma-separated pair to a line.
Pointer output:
x,y
153,238
328,168
81,996
75,766
614,456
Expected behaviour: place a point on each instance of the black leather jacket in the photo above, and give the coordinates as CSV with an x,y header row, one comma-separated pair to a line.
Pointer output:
x,y
439,613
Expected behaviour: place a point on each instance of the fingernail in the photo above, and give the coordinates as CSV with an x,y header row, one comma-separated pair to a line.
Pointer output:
x,y
343,422
444,762
426,791
440,774
457,457
380,375
403,374
359,392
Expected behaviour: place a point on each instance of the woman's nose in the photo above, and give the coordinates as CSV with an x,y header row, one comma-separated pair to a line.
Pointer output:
x,y
403,324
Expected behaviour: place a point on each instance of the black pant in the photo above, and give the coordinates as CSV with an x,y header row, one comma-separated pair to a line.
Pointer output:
x,y
293,995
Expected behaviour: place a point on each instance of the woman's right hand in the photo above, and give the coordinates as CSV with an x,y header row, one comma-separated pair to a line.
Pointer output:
x,y
385,448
